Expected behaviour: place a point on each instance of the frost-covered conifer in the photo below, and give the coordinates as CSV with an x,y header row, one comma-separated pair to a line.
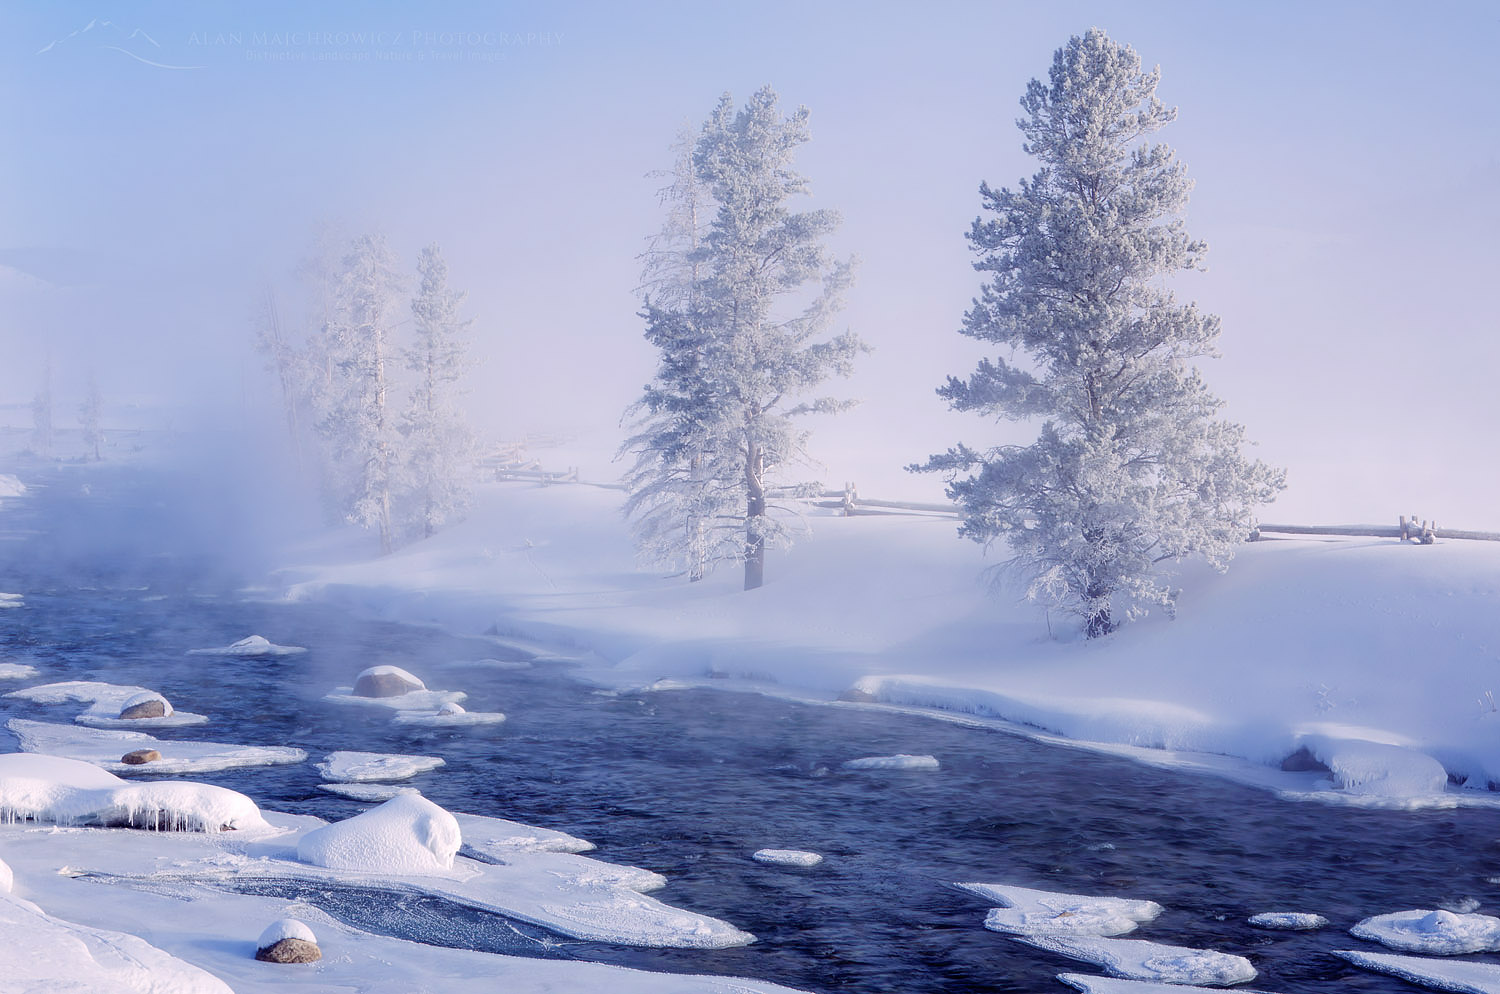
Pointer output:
x,y
718,419
90,418
1131,466
439,447
41,415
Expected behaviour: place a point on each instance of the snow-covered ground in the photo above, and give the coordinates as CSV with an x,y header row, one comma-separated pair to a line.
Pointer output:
x,y
1371,658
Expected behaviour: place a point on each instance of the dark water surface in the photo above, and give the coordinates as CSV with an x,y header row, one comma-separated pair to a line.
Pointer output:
x,y
118,584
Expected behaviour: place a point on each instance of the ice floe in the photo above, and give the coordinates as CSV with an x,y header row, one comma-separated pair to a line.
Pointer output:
x,y
500,838
105,747
1462,976
1437,933
407,834
107,702
1295,921
1114,985
366,767
899,762
367,791
451,715
62,791
254,645
16,671
1028,911
787,857
1136,959
11,600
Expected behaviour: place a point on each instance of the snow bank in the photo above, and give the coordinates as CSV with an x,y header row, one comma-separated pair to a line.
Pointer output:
x,y
899,762
499,838
1040,912
1464,977
253,645
7,878
787,857
106,703
42,953
1437,933
105,747
16,671
407,834
1135,959
1295,921
363,767
69,792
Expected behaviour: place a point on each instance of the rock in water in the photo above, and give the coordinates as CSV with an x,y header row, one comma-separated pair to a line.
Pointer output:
x,y
288,941
140,756
386,681
147,705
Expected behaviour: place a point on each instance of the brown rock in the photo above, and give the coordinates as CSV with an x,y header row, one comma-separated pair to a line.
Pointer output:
x,y
1303,761
154,708
290,951
140,756
382,685
858,696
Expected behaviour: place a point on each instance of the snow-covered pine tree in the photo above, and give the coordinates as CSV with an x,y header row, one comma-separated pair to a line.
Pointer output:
x,y
358,424
91,416
439,447
719,418
41,415
1131,467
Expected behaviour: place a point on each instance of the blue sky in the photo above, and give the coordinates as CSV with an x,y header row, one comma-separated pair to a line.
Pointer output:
x,y
1347,159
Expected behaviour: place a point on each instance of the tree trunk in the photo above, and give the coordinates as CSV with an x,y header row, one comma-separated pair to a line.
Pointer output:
x,y
755,509
1099,622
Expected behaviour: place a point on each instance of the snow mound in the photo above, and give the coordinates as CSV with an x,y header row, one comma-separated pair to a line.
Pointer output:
x,y
1114,985
787,857
70,792
16,671
407,834
450,715
11,487
367,791
1136,959
1289,920
1379,769
42,953
1462,976
286,928
899,762
1437,933
1041,912
364,767
105,747
106,701
499,838
254,645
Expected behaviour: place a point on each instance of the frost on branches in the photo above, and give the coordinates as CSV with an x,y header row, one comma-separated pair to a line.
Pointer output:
x,y
719,418
1131,466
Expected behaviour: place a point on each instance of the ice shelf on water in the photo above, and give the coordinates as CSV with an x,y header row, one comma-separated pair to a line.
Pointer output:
x,y
106,701
416,700
1115,985
898,762
787,857
367,791
253,645
1436,933
1462,976
1292,921
451,715
104,747
16,671
1137,959
1028,911
366,767
499,838
11,600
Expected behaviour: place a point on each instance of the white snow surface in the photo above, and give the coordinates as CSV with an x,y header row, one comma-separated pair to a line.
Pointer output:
x,y
16,671
367,791
253,645
450,715
898,762
105,702
1436,933
1372,654
7,878
1136,959
368,767
418,700
1028,911
1461,976
10,486
1295,921
500,838
787,857
285,928
50,789
105,747
1114,985
407,834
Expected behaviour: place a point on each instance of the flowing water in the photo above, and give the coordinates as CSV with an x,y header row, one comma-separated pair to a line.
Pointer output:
x,y
690,783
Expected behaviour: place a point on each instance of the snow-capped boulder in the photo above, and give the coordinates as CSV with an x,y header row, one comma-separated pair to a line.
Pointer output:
x,y
147,704
386,681
407,834
787,857
1295,921
288,941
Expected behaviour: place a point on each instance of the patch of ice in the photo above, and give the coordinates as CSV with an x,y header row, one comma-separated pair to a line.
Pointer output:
x,y
450,715
367,791
1461,976
71,792
1289,920
1028,911
106,701
286,928
1115,985
899,762
10,486
43,953
407,834
254,645
11,600
364,767
1136,959
787,857
16,671
499,838
104,747
1437,933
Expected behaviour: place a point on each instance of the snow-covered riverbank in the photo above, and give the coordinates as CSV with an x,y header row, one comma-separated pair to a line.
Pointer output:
x,y
1372,658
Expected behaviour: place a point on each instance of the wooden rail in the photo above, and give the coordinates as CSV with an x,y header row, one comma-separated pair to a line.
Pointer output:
x,y
1409,529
